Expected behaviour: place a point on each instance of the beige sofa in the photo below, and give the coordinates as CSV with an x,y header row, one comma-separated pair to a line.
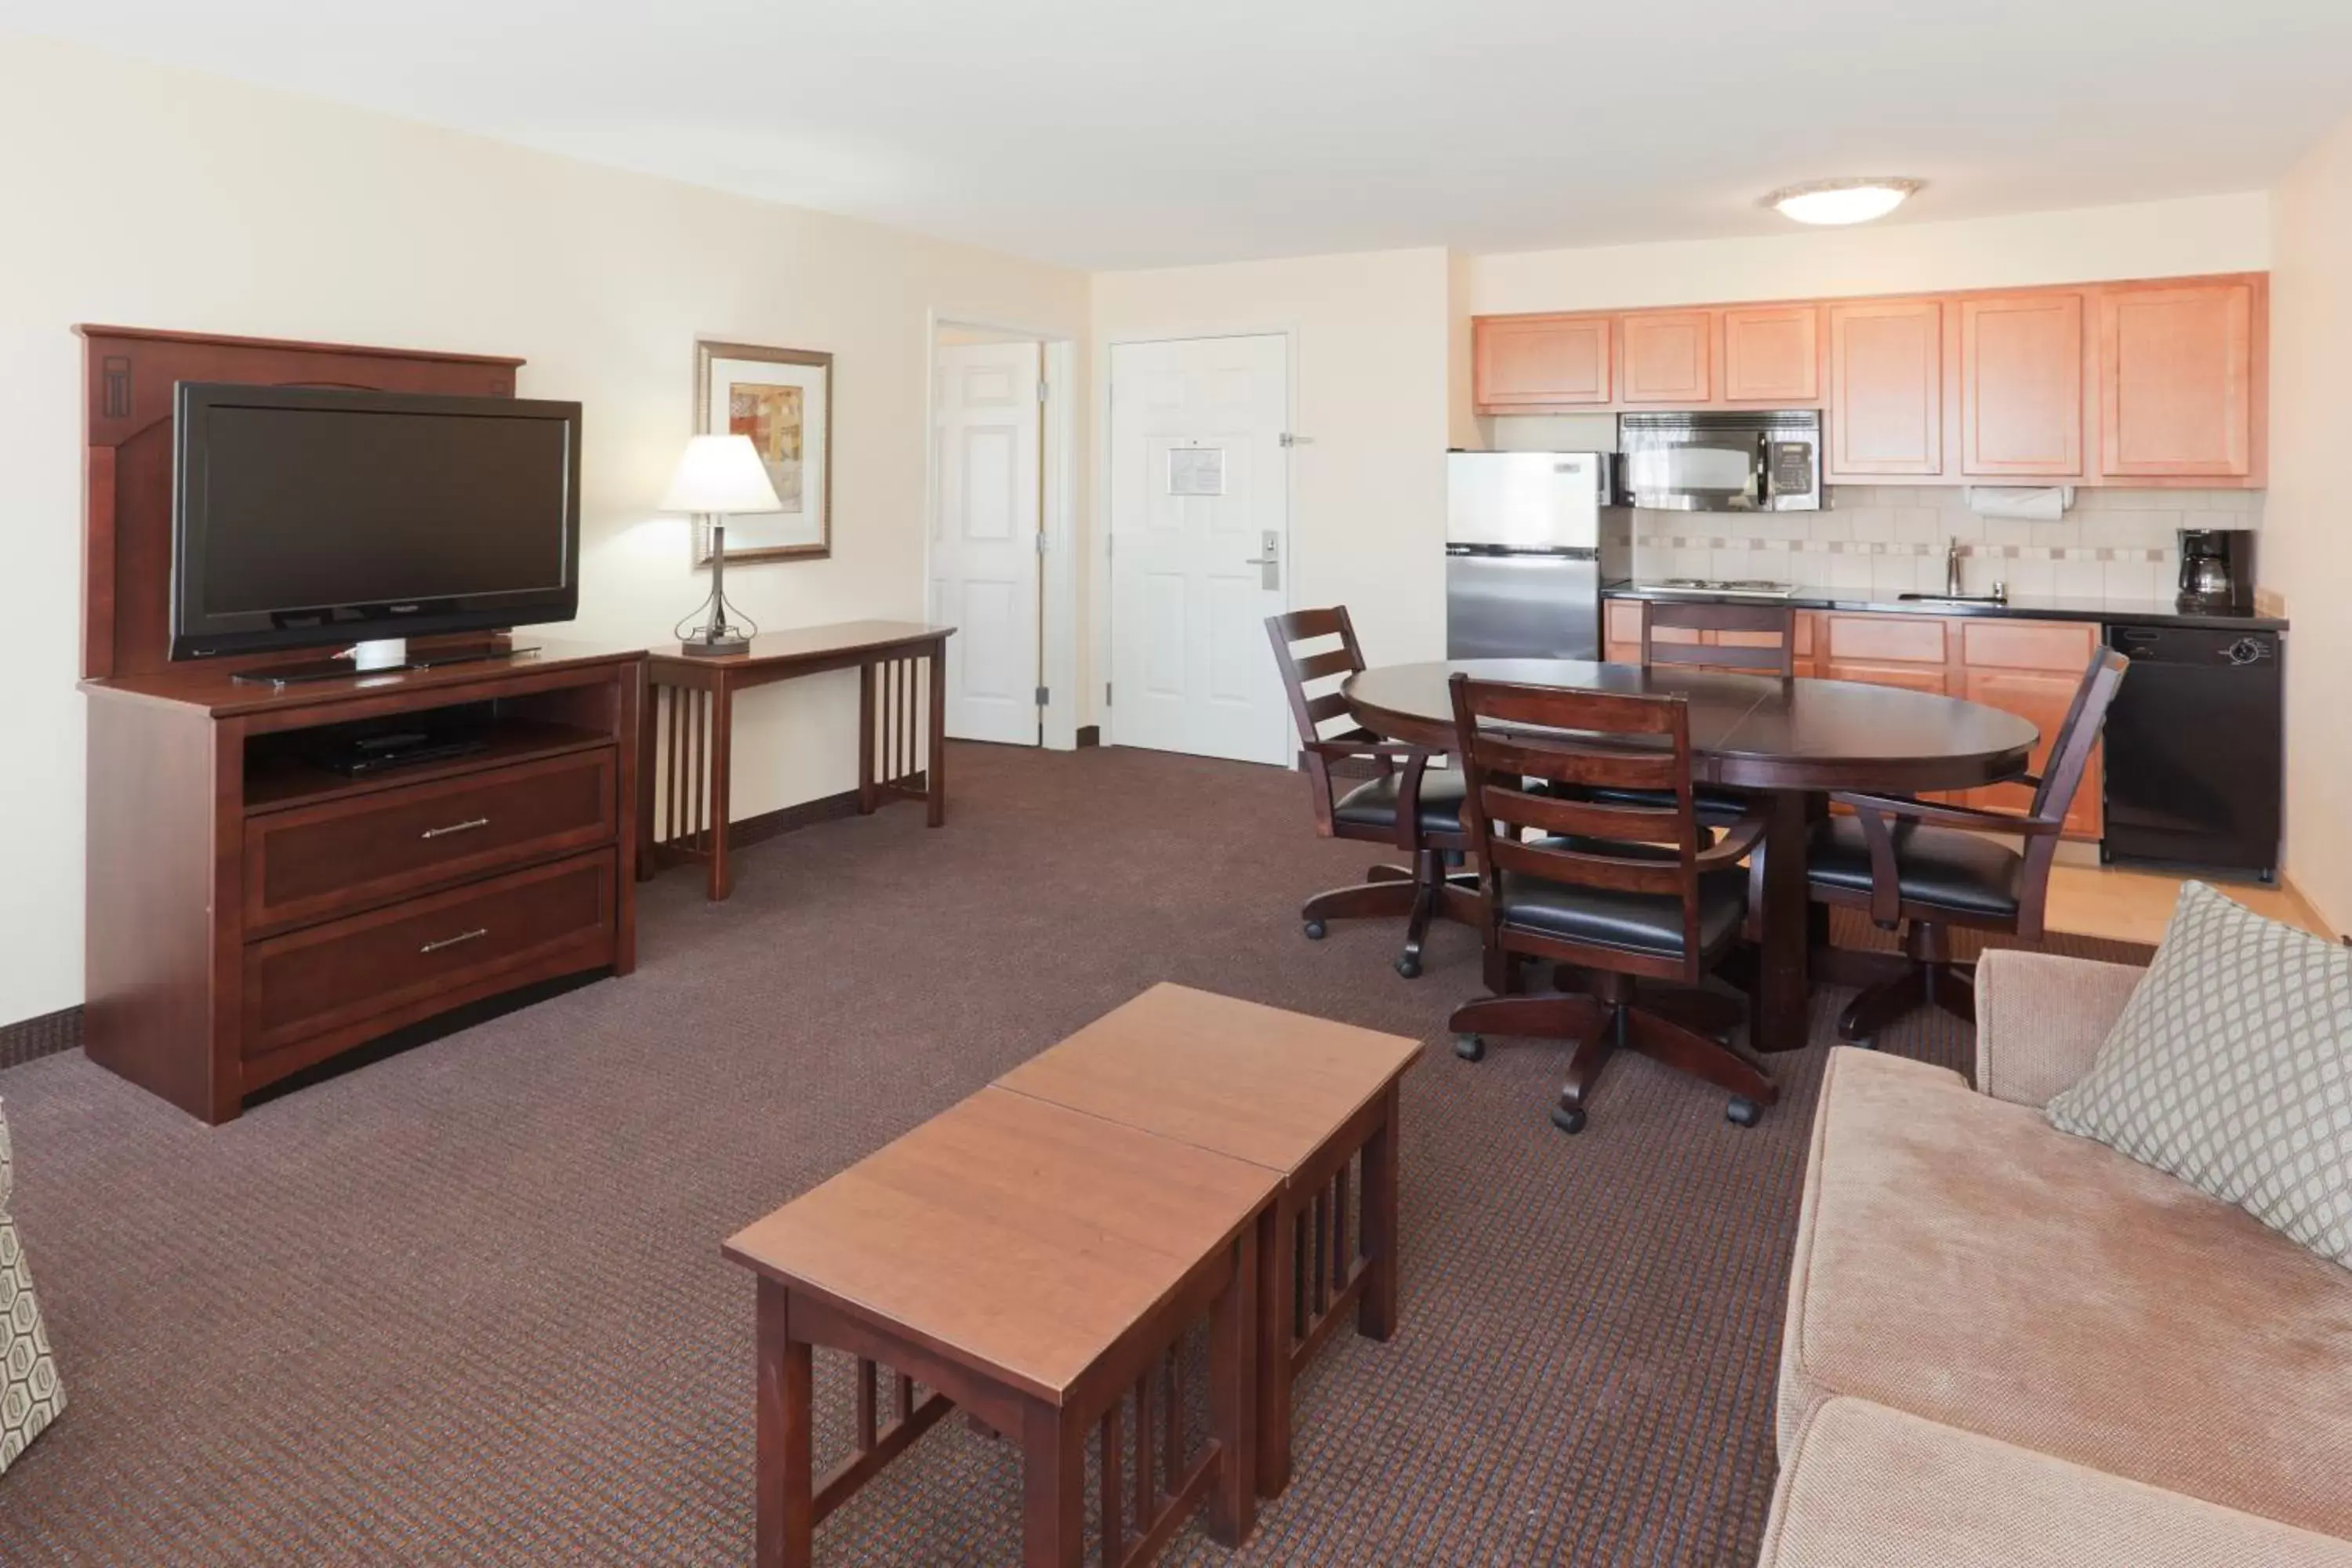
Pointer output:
x,y
2005,1344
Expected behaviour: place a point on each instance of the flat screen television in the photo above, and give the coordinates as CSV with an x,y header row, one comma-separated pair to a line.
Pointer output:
x,y
307,516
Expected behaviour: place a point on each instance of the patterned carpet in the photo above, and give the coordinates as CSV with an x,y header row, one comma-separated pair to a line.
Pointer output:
x,y
466,1304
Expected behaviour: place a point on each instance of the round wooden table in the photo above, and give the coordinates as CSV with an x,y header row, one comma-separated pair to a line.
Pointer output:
x,y
1788,741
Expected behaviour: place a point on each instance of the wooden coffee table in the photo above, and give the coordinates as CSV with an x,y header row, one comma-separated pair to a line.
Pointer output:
x,y
1305,1097
1036,1265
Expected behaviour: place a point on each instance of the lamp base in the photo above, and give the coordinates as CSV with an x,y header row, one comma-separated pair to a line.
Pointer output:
x,y
718,648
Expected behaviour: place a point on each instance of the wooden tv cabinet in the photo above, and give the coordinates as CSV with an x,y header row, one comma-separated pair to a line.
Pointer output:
x,y
251,912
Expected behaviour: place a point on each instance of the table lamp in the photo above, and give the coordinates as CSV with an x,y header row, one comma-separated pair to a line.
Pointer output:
x,y
718,476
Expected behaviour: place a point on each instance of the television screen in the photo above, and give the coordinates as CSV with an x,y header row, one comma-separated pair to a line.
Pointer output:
x,y
310,515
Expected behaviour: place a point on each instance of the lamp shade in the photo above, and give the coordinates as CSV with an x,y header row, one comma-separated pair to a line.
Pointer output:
x,y
721,473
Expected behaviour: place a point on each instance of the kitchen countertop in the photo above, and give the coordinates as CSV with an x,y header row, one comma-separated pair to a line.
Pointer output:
x,y
2020,606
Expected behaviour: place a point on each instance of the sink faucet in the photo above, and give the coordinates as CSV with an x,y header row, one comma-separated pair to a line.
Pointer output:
x,y
1952,569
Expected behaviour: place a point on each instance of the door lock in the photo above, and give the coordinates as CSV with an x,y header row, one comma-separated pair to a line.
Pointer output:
x,y
1268,560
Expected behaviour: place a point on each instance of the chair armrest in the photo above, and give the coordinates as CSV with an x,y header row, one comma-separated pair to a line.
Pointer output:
x,y
1738,839
2041,1020
1885,878
1337,750
1934,816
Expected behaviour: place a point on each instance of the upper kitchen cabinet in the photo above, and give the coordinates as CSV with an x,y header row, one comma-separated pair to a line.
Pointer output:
x,y
1886,388
2022,411
1531,364
2181,369
1773,354
1666,358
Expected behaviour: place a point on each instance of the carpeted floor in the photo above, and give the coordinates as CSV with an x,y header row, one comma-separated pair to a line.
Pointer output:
x,y
466,1304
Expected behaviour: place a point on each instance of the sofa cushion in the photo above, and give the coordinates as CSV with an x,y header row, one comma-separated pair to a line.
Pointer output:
x,y
2231,1068
1958,1260
1869,1486
2041,1019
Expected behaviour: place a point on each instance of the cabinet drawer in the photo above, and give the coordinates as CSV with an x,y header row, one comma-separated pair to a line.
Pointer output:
x,y
2060,646
1911,677
341,855
1908,639
416,958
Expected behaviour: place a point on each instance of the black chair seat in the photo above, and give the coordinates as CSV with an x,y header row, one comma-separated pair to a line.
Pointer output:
x,y
1633,922
1936,867
1711,804
1373,803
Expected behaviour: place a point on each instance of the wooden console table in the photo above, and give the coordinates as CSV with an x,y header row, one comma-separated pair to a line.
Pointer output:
x,y
689,717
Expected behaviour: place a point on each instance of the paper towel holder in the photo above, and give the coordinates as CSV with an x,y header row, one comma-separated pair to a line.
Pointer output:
x,y
1996,494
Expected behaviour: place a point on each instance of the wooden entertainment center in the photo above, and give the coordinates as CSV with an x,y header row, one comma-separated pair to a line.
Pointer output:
x,y
251,912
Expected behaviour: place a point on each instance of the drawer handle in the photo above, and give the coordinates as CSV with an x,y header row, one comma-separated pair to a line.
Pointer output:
x,y
453,941
466,826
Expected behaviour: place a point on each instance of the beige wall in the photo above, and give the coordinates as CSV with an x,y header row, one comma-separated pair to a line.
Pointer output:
x,y
2149,239
191,202
1370,357
2306,544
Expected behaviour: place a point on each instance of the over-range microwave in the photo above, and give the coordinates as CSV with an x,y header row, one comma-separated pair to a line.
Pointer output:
x,y
1768,461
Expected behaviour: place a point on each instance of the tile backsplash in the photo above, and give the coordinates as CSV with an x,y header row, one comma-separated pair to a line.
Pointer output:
x,y
2112,544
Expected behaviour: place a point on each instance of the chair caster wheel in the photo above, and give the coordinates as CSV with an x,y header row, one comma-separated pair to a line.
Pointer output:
x,y
1470,1047
1316,930
1409,966
1742,1111
1566,1120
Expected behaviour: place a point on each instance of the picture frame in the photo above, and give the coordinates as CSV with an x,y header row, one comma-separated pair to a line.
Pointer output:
x,y
782,399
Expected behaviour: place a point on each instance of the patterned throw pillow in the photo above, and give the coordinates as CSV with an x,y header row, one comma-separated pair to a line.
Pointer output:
x,y
2232,1068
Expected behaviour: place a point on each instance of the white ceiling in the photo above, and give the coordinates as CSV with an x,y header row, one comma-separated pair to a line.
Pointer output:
x,y
1107,134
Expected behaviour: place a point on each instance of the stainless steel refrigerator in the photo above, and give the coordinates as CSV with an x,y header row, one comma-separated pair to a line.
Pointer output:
x,y
1530,540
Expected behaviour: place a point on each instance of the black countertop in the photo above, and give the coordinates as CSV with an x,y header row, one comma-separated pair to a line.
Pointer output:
x,y
2020,606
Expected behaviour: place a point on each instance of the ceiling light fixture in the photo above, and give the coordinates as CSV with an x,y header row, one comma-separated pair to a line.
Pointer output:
x,y
1842,201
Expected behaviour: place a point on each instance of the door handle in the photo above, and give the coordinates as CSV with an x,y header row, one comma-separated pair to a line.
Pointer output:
x,y
1268,559
466,826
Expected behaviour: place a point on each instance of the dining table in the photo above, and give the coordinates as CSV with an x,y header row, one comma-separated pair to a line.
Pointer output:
x,y
1788,741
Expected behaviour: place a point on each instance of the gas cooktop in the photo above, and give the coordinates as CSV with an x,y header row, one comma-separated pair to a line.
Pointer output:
x,y
1746,587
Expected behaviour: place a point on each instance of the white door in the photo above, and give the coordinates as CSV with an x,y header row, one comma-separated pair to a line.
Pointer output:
x,y
984,537
1200,544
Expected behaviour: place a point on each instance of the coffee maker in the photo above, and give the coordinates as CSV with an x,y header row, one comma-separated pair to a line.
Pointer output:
x,y
2217,571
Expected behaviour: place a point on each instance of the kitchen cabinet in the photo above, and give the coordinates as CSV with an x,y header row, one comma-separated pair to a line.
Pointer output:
x,y
2151,384
2180,380
1911,677
1886,388
2021,409
2031,668
2018,665
2042,699
1530,363
1666,358
1773,354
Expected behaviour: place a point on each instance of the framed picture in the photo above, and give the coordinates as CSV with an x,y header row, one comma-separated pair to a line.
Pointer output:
x,y
782,399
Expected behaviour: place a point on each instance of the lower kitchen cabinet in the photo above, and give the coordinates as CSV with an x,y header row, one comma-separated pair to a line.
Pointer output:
x,y
2023,666
2042,699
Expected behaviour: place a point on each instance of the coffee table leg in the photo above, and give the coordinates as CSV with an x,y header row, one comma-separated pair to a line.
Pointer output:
x,y
786,1519
1274,1287
1233,1396
1053,1488
1376,1310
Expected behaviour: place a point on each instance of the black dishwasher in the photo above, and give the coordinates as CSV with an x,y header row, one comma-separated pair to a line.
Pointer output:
x,y
2194,759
